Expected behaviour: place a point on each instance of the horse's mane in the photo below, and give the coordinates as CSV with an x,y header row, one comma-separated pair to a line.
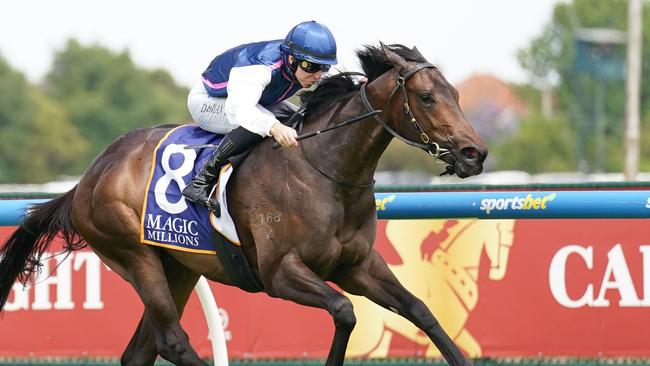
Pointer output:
x,y
334,88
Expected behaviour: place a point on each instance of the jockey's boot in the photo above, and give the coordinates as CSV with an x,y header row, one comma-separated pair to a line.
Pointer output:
x,y
233,143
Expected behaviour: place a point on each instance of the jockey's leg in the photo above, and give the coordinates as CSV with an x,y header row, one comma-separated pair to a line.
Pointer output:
x,y
234,142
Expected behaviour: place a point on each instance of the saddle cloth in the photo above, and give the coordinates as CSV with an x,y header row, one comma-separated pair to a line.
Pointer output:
x,y
170,221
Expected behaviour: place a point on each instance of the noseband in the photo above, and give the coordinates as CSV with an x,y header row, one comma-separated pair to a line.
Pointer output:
x,y
427,144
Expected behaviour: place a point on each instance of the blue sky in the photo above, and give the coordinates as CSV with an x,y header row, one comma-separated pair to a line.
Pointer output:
x,y
462,37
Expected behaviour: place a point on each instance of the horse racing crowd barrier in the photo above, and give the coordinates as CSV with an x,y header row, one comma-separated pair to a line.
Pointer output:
x,y
519,204
11,212
514,205
482,205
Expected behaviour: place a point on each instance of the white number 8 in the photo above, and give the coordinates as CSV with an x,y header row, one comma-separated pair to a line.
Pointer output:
x,y
176,175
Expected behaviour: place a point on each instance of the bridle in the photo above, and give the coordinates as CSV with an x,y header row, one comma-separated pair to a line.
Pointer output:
x,y
427,144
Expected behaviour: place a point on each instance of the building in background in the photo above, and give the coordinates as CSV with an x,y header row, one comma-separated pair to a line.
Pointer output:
x,y
491,105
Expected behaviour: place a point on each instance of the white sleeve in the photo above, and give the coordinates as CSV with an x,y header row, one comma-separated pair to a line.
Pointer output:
x,y
245,87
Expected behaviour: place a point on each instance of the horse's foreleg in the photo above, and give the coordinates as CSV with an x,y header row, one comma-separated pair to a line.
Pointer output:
x,y
374,280
142,347
292,280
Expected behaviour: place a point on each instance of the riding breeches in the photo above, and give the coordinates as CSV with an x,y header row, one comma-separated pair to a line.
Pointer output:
x,y
210,112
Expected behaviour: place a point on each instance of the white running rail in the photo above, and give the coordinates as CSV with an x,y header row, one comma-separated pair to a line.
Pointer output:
x,y
215,323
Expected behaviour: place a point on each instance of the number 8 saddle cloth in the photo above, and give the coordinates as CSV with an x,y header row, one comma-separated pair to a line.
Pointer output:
x,y
169,221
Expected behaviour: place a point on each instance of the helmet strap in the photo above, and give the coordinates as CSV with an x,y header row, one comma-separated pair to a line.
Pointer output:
x,y
293,67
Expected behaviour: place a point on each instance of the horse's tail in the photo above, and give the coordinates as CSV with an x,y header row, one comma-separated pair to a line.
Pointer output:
x,y
20,257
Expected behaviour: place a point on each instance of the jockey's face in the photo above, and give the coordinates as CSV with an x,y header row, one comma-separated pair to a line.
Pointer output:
x,y
306,79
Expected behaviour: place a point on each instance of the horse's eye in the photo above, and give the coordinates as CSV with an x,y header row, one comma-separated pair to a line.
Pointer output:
x,y
427,98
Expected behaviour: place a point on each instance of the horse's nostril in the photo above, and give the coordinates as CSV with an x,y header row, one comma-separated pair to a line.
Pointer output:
x,y
470,153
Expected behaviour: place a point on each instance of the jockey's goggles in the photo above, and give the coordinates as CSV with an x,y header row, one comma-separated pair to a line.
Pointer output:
x,y
310,67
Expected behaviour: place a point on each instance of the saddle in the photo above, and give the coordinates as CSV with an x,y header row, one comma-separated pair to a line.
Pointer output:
x,y
170,221
224,235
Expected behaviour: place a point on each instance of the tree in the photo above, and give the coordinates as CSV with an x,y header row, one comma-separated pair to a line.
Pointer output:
x,y
541,145
37,140
552,55
107,95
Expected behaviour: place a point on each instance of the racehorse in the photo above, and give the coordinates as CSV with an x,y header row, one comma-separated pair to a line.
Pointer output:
x,y
320,197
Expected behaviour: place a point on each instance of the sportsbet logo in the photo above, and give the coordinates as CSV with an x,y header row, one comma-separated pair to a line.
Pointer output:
x,y
381,203
516,203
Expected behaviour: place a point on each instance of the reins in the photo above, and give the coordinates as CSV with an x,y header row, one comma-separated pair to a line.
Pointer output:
x,y
427,144
350,121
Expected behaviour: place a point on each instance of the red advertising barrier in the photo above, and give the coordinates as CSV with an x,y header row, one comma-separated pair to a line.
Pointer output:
x,y
499,288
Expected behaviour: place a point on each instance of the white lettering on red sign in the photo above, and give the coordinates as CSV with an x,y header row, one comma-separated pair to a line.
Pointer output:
x,y
616,277
61,284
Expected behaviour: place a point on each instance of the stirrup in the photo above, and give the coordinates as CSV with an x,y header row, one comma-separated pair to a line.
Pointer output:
x,y
212,203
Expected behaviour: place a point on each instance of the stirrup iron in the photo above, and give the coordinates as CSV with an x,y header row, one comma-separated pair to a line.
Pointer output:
x,y
212,203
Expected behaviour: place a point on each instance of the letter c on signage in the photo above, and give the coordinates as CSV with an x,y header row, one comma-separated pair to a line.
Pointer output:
x,y
557,276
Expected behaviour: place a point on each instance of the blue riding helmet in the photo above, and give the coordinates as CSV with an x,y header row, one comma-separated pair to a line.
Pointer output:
x,y
311,41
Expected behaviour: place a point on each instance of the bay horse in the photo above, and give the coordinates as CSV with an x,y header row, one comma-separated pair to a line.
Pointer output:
x,y
320,196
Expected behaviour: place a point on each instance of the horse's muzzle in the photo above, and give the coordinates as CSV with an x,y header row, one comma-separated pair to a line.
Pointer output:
x,y
468,160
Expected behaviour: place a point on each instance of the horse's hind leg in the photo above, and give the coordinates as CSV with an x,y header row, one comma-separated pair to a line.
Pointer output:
x,y
141,266
292,280
374,280
142,347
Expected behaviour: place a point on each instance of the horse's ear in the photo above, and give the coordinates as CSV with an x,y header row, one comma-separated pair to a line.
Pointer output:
x,y
394,58
417,52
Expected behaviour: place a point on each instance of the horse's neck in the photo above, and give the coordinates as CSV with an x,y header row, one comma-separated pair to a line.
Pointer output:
x,y
350,154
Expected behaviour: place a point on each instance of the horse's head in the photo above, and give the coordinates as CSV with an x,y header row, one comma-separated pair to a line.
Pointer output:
x,y
423,110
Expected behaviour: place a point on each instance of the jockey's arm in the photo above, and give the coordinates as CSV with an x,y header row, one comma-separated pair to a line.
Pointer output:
x,y
245,87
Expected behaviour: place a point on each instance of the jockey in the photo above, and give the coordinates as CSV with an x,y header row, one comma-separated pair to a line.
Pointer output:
x,y
241,88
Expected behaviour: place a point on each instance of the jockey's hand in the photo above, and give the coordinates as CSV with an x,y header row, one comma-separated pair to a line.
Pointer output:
x,y
284,135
